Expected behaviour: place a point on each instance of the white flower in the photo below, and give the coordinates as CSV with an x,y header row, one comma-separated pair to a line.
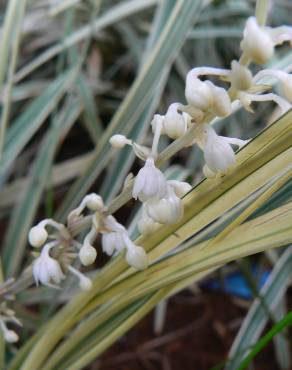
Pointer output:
x,y
94,202
135,256
240,76
204,95
87,255
218,153
149,183
37,236
111,242
257,42
198,93
180,187
146,225
222,103
174,124
119,141
46,269
10,336
284,78
111,239
168,210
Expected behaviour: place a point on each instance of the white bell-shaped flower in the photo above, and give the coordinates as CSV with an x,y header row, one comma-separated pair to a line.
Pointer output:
x,y
135,255
146,225
174,124
150,182
46,270
111,242
221,103
180,187
257,42
168,210
218,153
198,93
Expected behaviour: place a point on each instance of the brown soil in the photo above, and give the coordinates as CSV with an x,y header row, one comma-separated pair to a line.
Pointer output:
x,y
198,333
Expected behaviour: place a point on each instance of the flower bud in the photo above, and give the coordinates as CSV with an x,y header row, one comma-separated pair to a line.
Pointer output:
x,y
94,202
218,153
168,210
147,226
118,141
87,255
37,236
257,43
222,103
149,183
240,76
85,283
198,93
112,241
180,187
10,336
174,123
137,258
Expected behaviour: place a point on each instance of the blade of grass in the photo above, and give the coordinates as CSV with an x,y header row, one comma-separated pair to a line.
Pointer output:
x,y
110,17
281,342
256,319
90,114
32,118
6,36
262,343
23,215
14,45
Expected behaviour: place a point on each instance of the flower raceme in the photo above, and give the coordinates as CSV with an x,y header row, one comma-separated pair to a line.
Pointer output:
x,y
161,198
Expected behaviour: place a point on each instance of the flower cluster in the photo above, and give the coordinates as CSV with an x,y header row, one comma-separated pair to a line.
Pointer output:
x,y
162,198
59,249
